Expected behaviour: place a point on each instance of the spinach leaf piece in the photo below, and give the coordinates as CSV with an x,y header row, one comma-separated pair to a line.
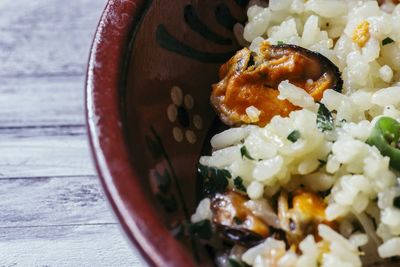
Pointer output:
x,y
215,180
238,183
324,118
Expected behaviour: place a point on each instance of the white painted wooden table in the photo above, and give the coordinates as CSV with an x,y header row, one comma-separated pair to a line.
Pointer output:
x,y
52,209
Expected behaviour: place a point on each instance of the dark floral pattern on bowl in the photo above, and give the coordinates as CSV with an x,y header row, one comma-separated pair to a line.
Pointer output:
x,y
149,115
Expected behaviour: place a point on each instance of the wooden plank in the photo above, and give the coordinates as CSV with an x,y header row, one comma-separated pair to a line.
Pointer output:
x,y
53,201
47,37
45,156
40,130
50,221
66,246
45,101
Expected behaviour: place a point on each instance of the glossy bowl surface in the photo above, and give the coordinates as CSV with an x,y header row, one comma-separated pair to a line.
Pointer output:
x,y
148,114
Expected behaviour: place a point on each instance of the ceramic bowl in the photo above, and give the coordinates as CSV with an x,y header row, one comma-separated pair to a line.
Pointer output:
x,y
151,67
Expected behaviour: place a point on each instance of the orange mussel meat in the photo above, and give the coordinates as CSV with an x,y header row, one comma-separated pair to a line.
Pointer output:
x,y
253,81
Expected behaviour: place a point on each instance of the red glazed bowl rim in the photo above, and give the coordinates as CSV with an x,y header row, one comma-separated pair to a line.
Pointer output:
x,y
105,77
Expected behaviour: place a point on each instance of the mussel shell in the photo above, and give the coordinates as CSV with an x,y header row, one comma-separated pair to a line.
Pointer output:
x,y
327,65
239,236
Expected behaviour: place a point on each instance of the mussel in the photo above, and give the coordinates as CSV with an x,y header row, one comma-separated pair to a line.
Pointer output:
x,y
248,80
246,222
235,222
300,213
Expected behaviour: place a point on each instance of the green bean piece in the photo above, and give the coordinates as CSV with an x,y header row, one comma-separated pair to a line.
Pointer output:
x,y
385,136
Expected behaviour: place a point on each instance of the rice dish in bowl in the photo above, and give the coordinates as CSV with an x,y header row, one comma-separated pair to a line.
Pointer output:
x,y
309,176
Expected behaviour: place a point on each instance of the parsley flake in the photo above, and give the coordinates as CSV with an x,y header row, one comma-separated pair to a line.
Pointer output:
x,y
238,183
215,180
245,153
294,136
387,40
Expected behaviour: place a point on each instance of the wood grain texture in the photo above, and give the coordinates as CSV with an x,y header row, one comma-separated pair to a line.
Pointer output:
x,y
66,246
49,37
52,201
52,210
38,156
41,101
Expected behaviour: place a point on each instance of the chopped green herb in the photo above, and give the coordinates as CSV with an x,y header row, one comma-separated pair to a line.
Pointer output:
x,y
238,183
207,171
280,42
215,180
294,136
234,263
237,220
387,40
201,229
324,118
245,153
218,185
396,202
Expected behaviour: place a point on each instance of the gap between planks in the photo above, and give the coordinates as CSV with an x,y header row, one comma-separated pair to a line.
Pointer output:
x,y
57,225
43,130
51,177
67,74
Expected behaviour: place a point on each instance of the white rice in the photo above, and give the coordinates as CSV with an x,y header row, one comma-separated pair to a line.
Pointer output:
x,y
356,172
253,113
273,252
296,95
